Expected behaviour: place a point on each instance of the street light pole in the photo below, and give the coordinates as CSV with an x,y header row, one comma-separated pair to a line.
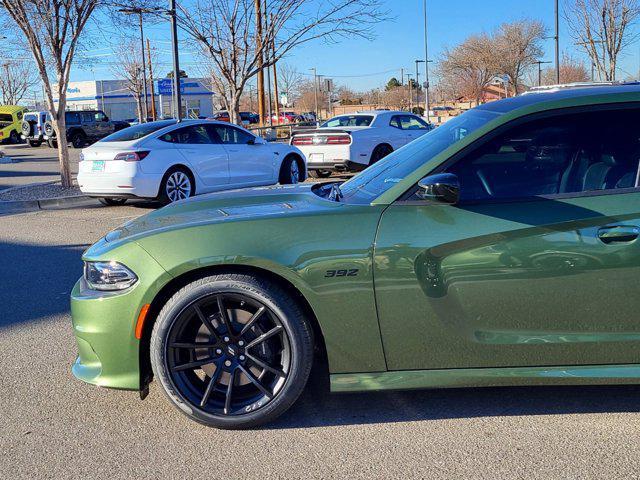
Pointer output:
x,y
177,98
427,106
540,62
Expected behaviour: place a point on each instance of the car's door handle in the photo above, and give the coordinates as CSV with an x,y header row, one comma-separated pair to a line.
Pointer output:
x,y
618,233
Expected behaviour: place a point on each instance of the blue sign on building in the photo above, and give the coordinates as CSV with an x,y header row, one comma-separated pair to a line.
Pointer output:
x,y
165,85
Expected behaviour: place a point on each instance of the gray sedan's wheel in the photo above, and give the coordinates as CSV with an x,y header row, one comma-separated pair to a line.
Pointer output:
x,y
177,184
232,351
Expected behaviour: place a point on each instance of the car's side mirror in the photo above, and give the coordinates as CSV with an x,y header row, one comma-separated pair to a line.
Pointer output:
x,y
440,188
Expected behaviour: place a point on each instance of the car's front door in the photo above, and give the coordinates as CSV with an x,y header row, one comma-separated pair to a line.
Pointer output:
x,y
539,262
249,162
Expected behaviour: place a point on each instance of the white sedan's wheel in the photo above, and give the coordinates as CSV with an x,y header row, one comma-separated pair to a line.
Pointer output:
x,y
177,186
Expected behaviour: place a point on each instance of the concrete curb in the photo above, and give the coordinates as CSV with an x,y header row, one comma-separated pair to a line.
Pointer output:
x,y
58,203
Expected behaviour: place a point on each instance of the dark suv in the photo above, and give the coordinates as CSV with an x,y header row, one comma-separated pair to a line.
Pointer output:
x,y
84,126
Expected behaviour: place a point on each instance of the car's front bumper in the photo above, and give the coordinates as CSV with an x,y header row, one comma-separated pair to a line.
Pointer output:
x,y
104,324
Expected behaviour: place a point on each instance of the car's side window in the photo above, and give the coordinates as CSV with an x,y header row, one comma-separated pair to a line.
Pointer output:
x,y
73,118
190,135
231,135
571,153
395,121
87,117
408,122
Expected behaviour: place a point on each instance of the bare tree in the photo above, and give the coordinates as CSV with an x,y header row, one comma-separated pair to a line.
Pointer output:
x,y
226,31
18,76
53,30
129,66
518,45
603,29
289,81
470,67
571,71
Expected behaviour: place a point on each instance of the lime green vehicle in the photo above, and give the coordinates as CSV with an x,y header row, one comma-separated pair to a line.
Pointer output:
x,y
499,249
11,123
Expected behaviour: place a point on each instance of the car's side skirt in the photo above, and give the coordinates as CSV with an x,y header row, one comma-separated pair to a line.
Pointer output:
x,y
486,377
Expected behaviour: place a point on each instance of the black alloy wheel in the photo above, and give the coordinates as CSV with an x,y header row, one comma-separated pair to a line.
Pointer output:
x,y
227,355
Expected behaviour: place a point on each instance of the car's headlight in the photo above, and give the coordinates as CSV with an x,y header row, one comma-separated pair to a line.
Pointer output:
x,y
108,276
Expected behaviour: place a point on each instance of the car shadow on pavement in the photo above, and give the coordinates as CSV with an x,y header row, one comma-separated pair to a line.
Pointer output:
x,y
36,280
317,407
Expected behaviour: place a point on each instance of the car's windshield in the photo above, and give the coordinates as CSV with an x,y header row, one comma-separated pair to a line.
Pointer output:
x,y
378,178
349,121
137,131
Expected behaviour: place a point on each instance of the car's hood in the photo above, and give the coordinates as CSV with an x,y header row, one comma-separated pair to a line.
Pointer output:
x,y
228,206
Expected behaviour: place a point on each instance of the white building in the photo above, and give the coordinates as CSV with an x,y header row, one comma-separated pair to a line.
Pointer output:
x,y
112,97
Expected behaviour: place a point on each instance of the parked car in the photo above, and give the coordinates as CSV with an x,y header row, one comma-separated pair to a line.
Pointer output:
x,y
249,118
172,161
32,128
286,117
220,116
355,141
504,248
84,126
10,123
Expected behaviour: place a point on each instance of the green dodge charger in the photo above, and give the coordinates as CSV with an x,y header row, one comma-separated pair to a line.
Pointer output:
x,y
499,249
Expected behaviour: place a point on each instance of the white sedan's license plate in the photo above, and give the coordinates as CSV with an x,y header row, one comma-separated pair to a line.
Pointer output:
x,y
98,166
316,157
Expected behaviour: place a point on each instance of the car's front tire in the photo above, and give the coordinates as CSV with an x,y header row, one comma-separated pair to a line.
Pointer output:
x,y
290,172
177,184
78,140
232,351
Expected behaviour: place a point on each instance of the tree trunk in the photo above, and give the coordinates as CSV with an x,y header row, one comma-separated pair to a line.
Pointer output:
x,y
60,126
234,109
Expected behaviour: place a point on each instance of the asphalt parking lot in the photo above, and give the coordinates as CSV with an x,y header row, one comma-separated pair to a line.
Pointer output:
x,y
56,427
34,165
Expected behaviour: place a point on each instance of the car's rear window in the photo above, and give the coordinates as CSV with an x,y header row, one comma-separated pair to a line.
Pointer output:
x,y
137,131
349,121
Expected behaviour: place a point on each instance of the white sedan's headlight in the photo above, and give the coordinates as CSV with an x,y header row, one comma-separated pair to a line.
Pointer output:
x,y
108,276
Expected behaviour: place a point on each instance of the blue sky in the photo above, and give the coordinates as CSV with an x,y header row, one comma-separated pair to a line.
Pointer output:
x,y
363,64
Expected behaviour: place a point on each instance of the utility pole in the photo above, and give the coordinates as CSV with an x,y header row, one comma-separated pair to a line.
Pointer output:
x,y
260,79
410,90
315,90
153,93
401,76
557,39
177,98
275,77
144,70
139,11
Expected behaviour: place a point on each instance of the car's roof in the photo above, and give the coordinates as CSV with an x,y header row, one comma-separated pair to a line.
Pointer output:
x,y
11,108
566,94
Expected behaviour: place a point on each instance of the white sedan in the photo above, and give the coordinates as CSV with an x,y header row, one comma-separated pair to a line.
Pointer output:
x,y
355,141
170,161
